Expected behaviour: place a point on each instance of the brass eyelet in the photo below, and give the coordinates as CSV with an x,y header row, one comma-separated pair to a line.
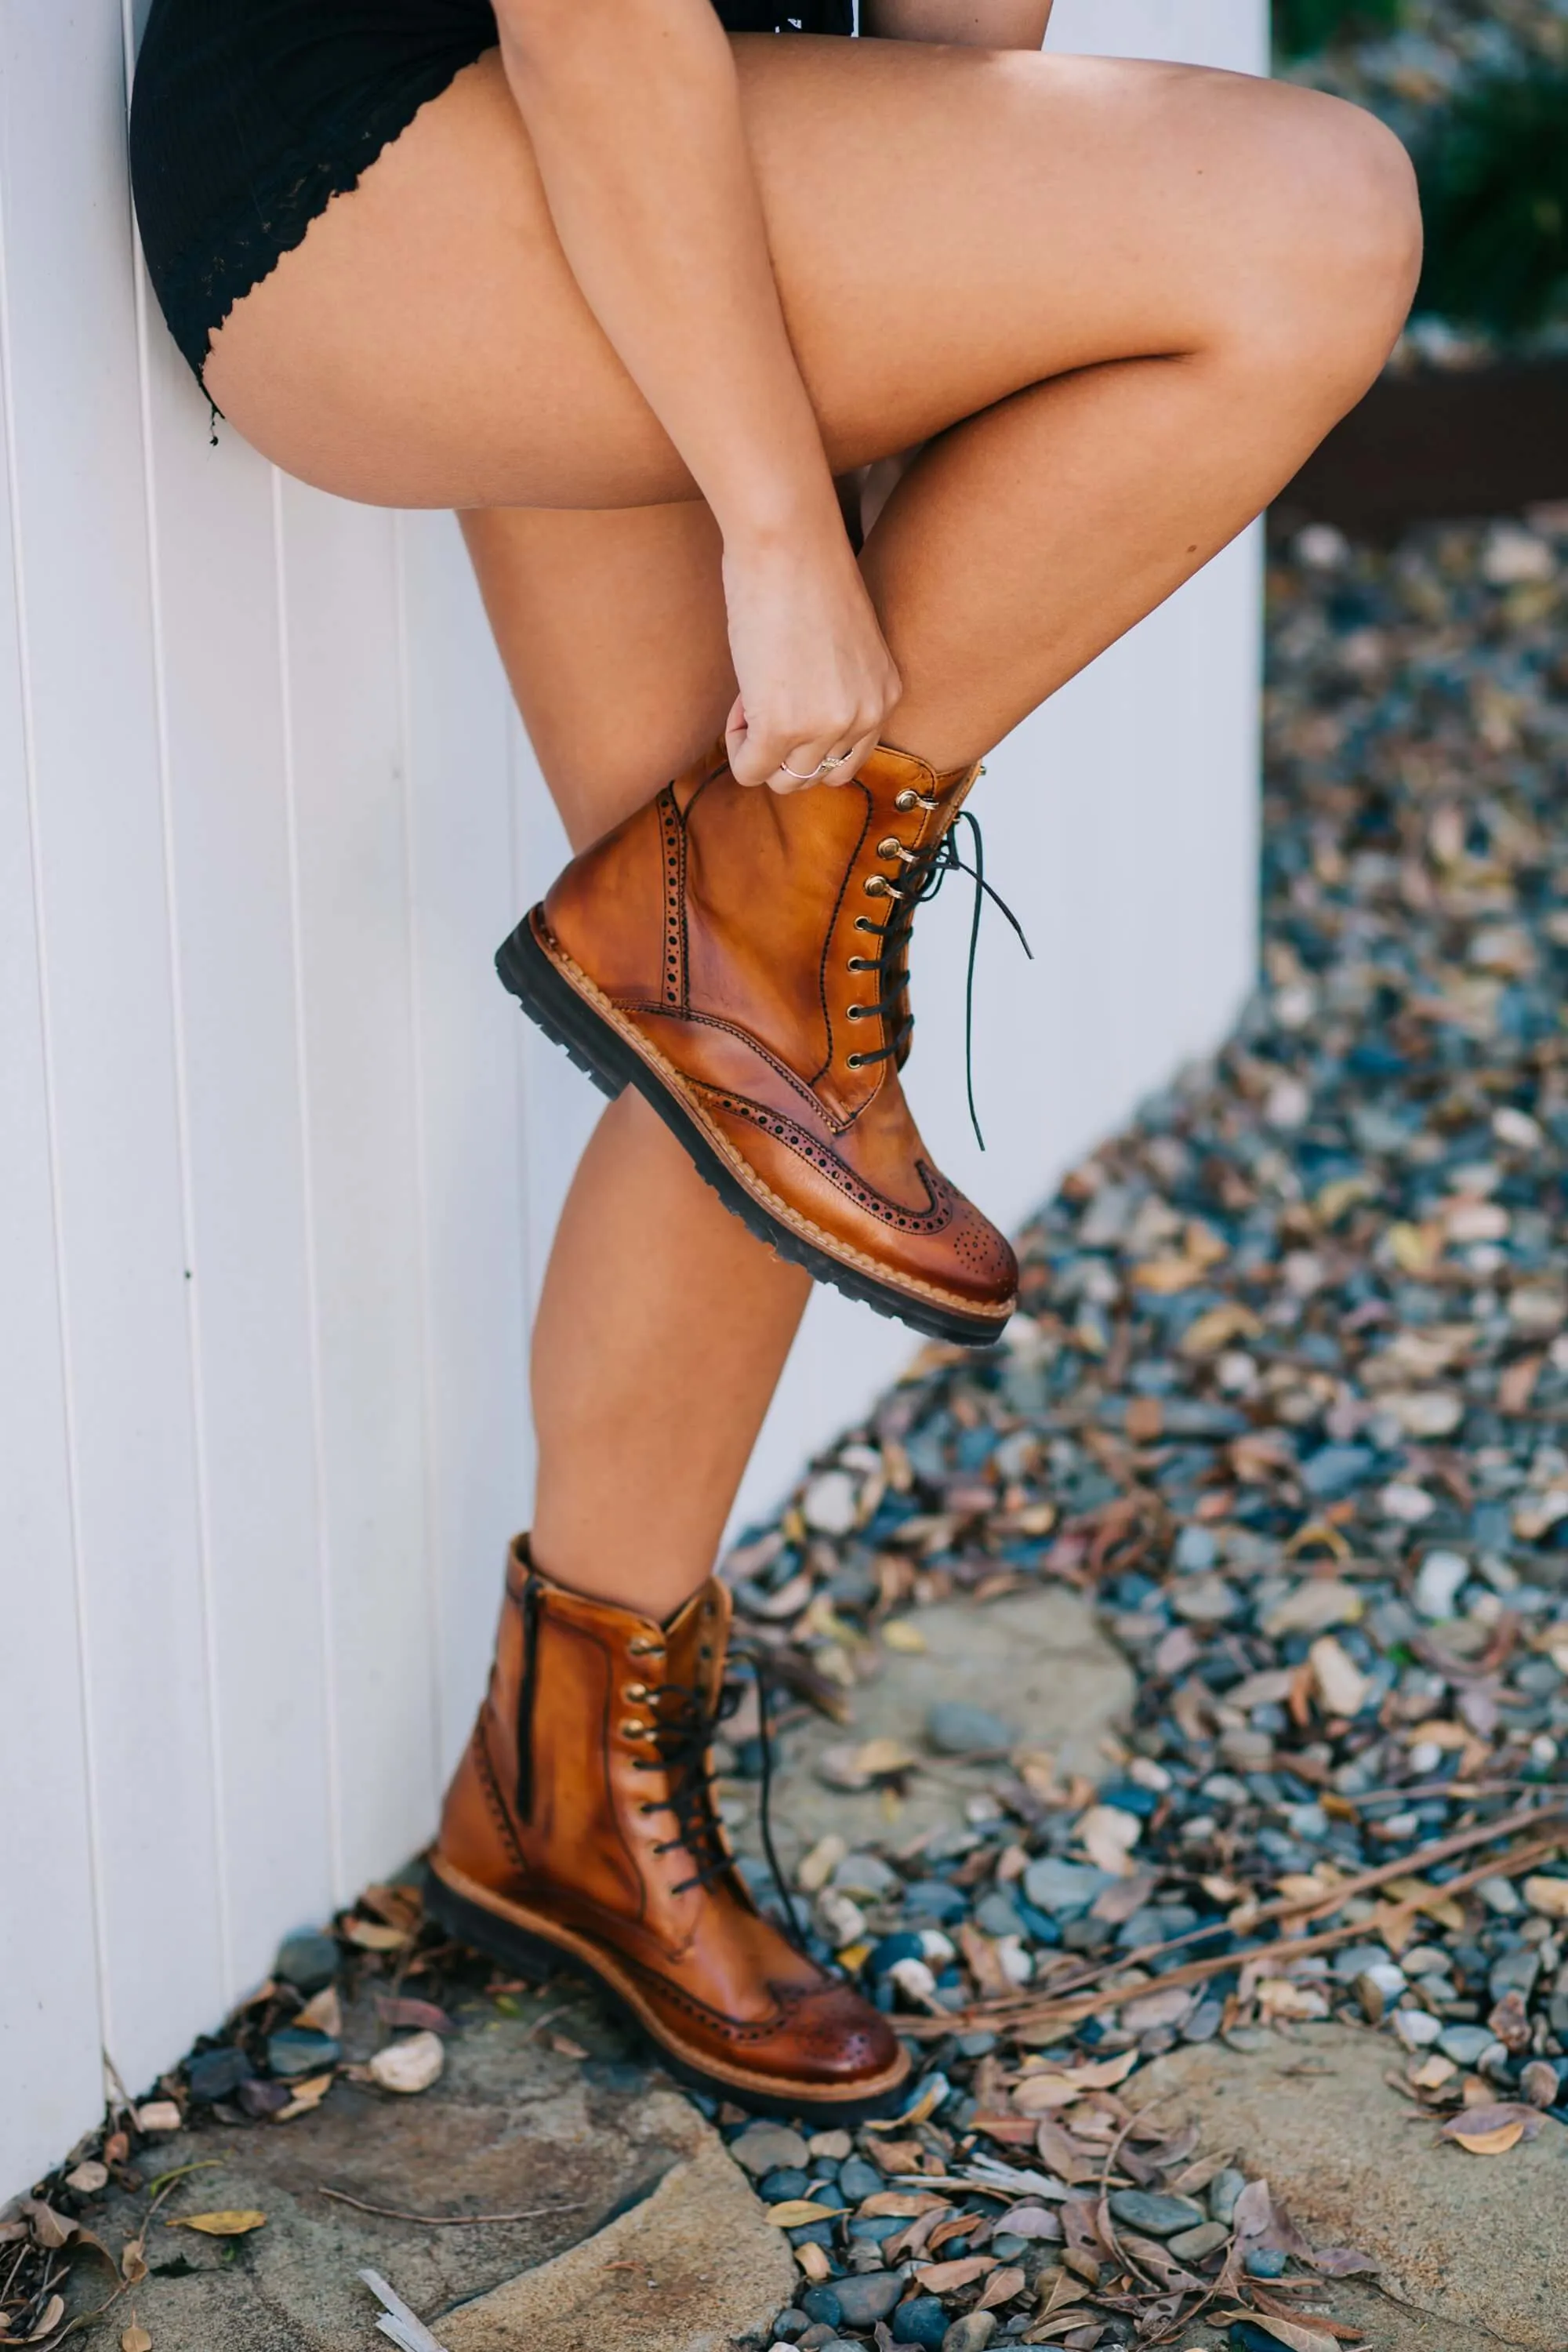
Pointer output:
x,y
637,1647
876,885
635,1694
855,1012
634,1731
853,1061
907,799
862,963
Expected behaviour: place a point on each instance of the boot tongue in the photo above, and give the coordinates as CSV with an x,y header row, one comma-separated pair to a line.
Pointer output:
x,y
695,1641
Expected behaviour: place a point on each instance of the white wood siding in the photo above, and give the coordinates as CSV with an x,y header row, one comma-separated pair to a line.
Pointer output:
x,y
278,1162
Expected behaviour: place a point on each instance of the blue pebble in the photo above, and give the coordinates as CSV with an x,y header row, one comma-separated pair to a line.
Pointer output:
x,y
293,2051
875,2228
813,2234
857,2179
782,2185
933,1898
821,2305
307,1961
1265,2261
1129,1798
215,2072
902,1946
921,2320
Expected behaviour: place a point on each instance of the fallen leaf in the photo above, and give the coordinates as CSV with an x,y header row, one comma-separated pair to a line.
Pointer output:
x,y
565,2046
306,2096
238,2223
54,2312
1548,1895
1291,2333
795,2212
370,1936
1001,2287
1492,2130
901,2204
399,2009
135,2338
133,2261
897,1634
943,2278
323,2013
1341,1687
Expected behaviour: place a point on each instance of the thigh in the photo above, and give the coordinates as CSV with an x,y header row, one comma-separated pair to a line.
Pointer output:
x,y
947,225
611,627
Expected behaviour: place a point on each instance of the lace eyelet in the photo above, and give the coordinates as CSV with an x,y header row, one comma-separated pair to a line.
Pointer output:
x,y
907,799
639,1648
635,1694
634,1731
891,847
855,1012
876,885
854,1061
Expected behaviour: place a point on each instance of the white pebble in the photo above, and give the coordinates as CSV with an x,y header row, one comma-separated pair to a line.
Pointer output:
x,y
1500,1895
1439,1584
831,1502
409,2066
938,1948
1417,2028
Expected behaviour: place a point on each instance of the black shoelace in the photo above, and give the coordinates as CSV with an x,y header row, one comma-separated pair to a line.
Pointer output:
x,y
682,1732
924,878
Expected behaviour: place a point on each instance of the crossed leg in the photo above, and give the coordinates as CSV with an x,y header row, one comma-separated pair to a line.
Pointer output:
x,y
1119,302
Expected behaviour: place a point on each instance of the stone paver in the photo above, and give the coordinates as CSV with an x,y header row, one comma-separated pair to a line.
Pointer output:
x,y
1471,2244
693,2268
1035,1659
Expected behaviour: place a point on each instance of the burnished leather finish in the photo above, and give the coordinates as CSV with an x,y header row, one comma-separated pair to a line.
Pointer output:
x,y
576,1830
719,950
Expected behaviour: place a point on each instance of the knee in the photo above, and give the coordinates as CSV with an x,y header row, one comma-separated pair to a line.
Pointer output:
x,y
1346,228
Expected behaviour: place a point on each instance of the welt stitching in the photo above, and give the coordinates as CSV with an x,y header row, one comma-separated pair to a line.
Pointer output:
x,y
783,1130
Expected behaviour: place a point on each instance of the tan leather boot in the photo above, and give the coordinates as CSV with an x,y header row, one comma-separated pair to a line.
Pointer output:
x,y
739,958
579,1831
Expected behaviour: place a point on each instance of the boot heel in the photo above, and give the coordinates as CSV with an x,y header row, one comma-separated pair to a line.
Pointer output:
x,y
530,1955
527,974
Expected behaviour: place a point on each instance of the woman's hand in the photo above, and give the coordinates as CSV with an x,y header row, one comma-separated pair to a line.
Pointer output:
x,y
817,680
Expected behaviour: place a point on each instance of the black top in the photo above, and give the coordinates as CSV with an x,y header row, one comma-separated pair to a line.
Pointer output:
x,y
249,116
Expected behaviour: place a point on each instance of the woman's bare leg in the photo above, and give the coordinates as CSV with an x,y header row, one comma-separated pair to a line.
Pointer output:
x,y
663,1326
1122,301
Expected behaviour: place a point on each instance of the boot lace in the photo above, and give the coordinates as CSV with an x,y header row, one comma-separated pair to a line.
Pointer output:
x,y
925,871
682,1733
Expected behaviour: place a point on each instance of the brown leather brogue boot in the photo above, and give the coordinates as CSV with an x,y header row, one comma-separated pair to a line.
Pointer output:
x,y
739,958
579,1831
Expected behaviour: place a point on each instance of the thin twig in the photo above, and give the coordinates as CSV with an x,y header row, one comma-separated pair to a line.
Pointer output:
x,y
1320,1905
448,2221
1069,2010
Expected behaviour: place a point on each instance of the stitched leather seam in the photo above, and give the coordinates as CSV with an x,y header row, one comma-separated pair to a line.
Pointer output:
x,y
491,1785
672,835
780,1069
933,1220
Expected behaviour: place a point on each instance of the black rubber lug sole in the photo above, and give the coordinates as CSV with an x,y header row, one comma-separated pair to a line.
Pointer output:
x,y
536,1957
569,1022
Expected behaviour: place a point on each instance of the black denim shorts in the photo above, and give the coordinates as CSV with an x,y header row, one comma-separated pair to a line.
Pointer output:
x,y
248,116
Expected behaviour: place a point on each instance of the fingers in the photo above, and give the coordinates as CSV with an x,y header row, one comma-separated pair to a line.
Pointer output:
x,y
824,758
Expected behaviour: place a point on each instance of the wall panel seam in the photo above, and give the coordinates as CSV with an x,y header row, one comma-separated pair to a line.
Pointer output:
x,y
328,1631
177,1023
70,1431
431,1464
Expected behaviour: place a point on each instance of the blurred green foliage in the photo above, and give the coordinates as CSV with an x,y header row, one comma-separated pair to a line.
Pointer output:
x,y
1303,27
1494,193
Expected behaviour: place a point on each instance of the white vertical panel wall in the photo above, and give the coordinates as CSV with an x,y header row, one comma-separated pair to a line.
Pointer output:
x,y
278,1163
